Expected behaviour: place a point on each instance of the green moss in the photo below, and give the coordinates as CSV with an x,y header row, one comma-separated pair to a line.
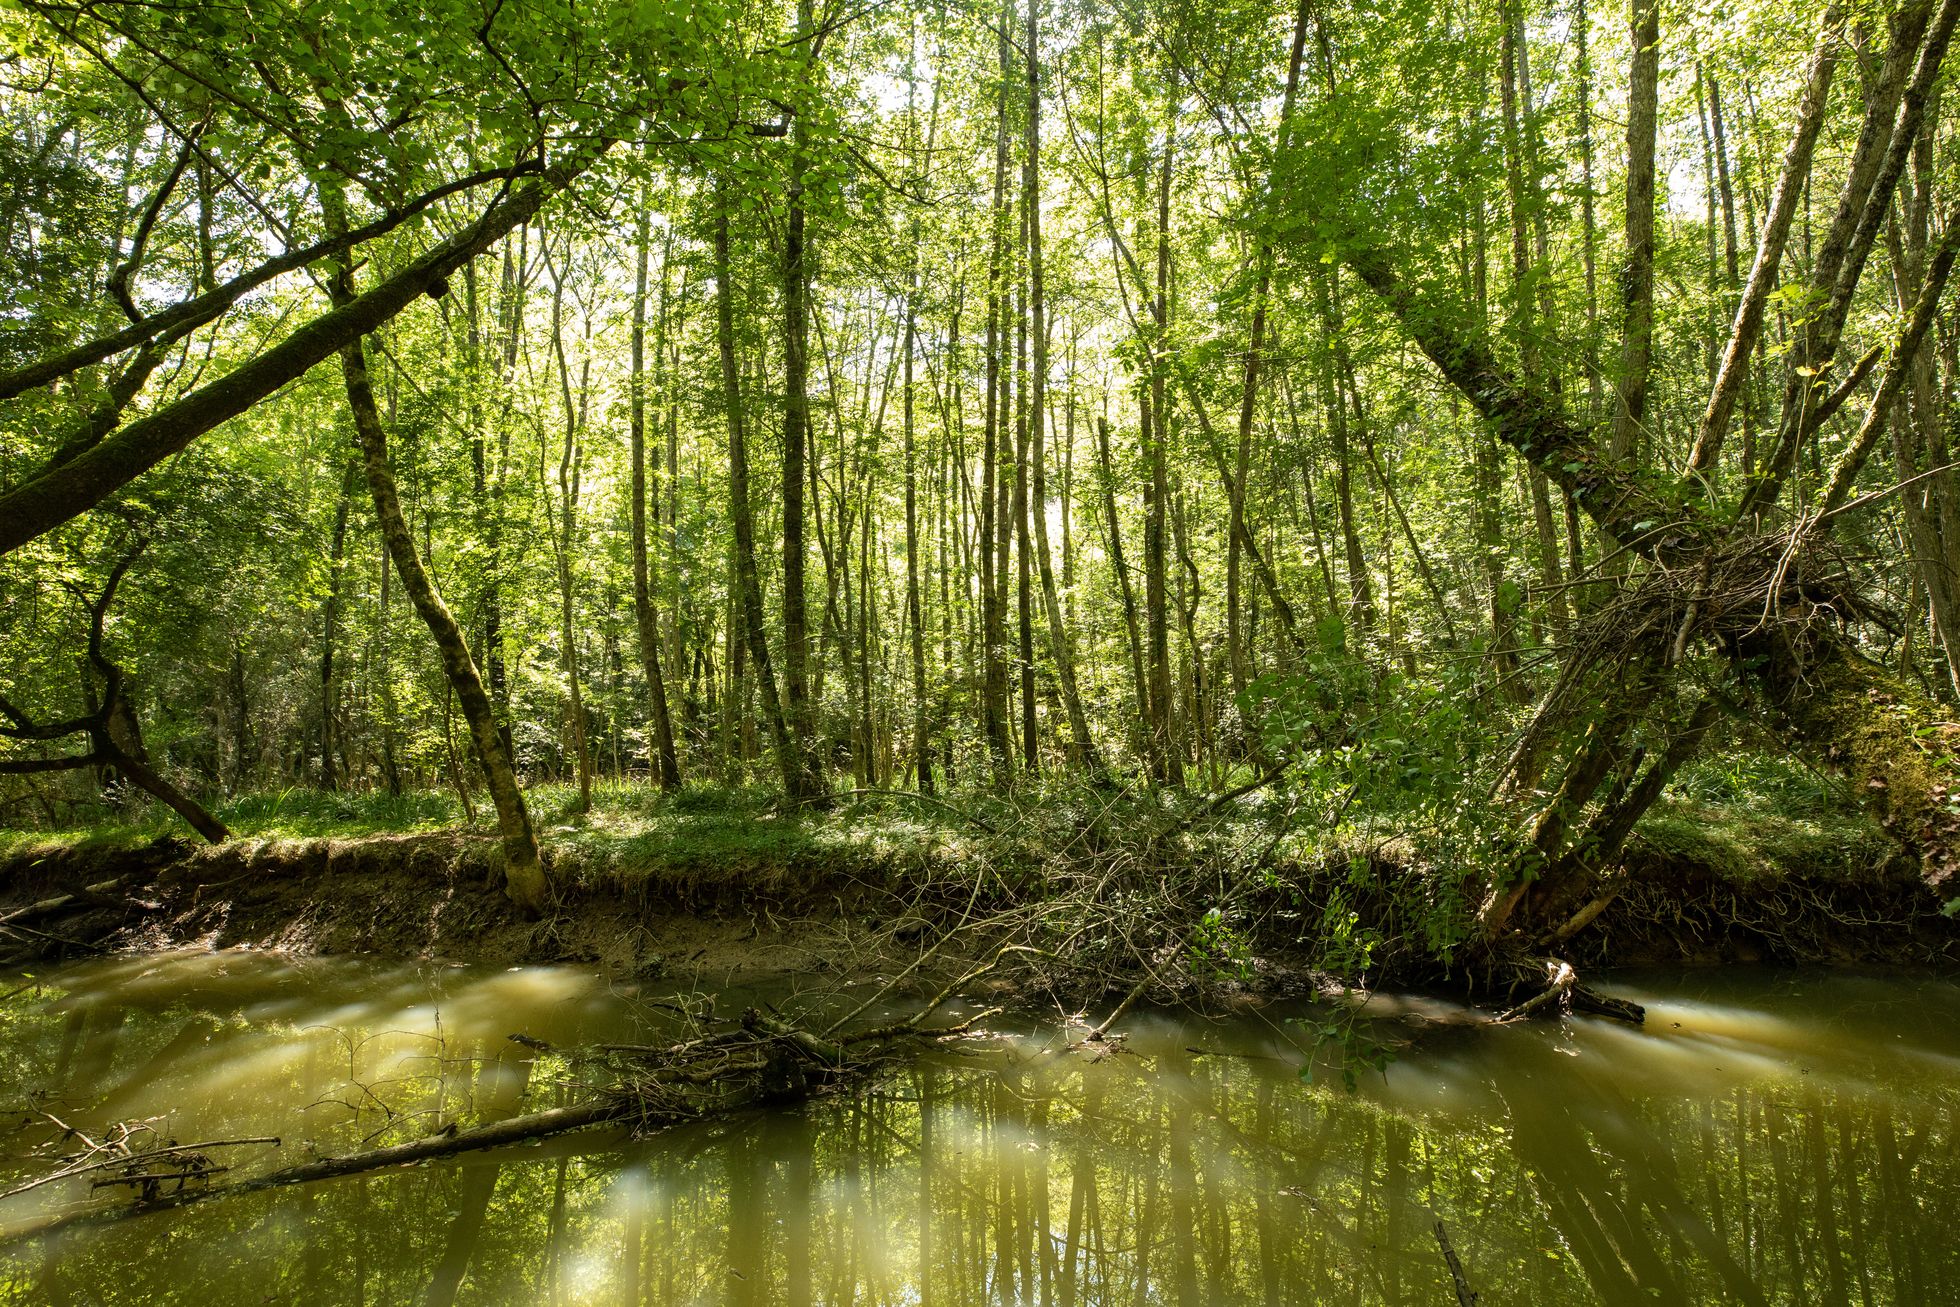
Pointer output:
x,y
1751,845
1752,817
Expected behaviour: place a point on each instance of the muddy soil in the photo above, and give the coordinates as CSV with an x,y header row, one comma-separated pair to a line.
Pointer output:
x,y
425,895
1672,911
438,895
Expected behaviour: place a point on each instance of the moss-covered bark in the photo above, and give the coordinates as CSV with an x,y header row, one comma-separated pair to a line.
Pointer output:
x,y
1896,748
524,877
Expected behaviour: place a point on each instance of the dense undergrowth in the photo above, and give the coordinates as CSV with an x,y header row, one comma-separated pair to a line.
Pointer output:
x,y
1743,815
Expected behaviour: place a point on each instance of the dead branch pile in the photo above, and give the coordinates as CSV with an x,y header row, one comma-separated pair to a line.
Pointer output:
x,y
1775,588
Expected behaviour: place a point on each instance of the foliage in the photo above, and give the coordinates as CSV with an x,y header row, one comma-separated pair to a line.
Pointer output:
x,y
1356,470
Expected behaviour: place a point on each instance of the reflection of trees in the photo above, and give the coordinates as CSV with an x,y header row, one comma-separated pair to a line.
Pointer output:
x,y
1145,1179
499,1084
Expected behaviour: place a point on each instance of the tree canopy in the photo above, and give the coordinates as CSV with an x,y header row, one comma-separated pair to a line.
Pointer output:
x,y
1459,417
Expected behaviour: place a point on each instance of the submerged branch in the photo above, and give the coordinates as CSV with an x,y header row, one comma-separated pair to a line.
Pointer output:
x,y
765,1060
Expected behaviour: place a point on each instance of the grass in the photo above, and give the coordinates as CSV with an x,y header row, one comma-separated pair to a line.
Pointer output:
x,y
1749,818
292,813
1743,817
1361,894
29,843
1743,846
632,836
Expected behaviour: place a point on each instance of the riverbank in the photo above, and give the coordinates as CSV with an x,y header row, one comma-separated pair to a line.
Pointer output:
x,y
431,894
722,886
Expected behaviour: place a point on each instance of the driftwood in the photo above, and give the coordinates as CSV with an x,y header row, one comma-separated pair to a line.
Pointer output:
x,y
1558,987
1585,999
92,896
1563,993
41,940
135,1165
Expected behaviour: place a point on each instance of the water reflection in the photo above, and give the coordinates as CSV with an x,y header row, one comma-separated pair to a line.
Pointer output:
x,y
1770,1138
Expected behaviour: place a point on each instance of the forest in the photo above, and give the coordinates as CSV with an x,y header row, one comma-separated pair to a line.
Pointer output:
x,y
979,651
1434,450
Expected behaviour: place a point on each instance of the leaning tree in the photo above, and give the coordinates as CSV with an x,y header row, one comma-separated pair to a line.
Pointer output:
x,y
1715,593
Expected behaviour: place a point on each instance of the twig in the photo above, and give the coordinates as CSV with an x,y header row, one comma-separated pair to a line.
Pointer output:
x,y
868,792
127,1159
67,1130
17,929
1144,981
517,1130
1867,498
54,904
911,1028
1219,803
885,988
976,972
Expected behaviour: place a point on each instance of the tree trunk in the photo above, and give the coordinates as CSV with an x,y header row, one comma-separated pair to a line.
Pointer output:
x,y
1588,216
330,624
1139,681
748,581
1361,595
1238,534
1732,372
914,602
1532,307
805,784
524,877
1637,274
56,493
1893,112
1155,412
571,461
646,616
993,693
1019,510
1082,745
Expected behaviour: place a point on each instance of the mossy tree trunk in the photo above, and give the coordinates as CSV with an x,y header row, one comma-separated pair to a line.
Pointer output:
x,y
1704,590
1897,750
524,877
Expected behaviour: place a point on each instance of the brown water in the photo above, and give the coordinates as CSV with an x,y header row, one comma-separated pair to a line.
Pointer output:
x,y
1770,1137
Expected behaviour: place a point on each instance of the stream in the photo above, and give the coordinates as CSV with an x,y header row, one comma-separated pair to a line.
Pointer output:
x,y
1770,1136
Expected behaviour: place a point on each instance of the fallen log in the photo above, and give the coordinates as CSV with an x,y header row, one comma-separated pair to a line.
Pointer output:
x,y
133,1162
1558,988
93,896
763,1060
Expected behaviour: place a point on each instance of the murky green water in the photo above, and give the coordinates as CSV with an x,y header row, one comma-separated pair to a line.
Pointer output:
x,y
1770,1138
